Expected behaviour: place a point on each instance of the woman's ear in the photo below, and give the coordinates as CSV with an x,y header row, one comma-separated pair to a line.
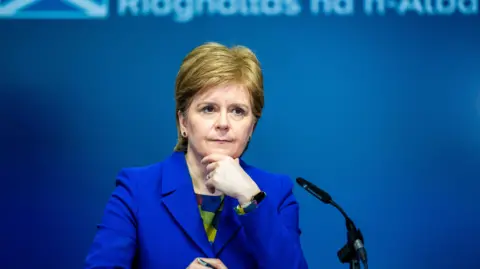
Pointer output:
x,y
254,125
182,120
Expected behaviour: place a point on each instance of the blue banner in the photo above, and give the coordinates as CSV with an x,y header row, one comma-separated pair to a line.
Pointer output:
x,y
375,101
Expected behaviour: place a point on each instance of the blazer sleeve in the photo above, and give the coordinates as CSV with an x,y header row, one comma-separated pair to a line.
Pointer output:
x,y
273,230
114,244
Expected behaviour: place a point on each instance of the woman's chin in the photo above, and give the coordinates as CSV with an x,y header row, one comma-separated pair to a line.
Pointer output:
x,y
222,150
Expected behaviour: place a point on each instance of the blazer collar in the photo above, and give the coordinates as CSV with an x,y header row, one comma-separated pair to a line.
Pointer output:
x,y
175,174
180,201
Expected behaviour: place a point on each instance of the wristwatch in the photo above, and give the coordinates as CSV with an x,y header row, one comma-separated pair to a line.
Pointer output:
x,y
257,198
253,204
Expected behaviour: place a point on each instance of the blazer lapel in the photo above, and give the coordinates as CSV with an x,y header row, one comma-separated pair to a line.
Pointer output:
x,y
228,226
180,201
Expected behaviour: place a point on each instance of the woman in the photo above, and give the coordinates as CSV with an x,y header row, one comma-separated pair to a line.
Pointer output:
x,y
203,207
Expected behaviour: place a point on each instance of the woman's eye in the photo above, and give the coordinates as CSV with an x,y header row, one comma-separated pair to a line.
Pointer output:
x,y
238,111
207,109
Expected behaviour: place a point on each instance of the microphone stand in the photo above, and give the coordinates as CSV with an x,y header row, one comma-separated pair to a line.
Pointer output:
x,y
348,253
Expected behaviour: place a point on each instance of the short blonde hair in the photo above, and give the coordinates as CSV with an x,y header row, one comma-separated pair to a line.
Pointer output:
x,y
211,65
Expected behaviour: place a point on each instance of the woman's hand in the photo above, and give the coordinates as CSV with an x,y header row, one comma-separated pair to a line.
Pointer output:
x,y
215,263
226,175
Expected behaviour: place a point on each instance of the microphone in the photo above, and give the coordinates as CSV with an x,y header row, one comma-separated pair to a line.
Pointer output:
x,y
316,191
354,246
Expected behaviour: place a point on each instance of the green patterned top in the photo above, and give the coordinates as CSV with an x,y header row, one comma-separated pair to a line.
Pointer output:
x,y
210,208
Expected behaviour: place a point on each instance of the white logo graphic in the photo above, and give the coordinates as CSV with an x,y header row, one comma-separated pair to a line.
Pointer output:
x,y
54,9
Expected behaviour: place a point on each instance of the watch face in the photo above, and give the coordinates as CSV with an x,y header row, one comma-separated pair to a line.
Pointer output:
x,y
259,197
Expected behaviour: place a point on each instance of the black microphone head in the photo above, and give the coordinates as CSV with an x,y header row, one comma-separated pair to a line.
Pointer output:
x,y
302,182
323,195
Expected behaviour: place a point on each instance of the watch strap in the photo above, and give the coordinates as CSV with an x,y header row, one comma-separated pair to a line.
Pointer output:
x,y
252,205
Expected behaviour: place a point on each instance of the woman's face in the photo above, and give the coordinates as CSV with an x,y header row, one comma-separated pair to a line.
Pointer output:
x,y
219,120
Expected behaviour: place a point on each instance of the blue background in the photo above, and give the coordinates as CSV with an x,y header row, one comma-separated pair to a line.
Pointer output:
x,y
381,111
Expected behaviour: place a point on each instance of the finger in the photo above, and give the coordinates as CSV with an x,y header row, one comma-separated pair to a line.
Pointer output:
x,y
218,264
210,186
211,175
205,263
196,266
212,166
214,157
211,182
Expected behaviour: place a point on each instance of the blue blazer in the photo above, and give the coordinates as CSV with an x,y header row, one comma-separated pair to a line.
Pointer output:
x,y
152,221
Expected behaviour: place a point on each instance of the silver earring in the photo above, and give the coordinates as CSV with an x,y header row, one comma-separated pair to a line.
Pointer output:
x,y
184,134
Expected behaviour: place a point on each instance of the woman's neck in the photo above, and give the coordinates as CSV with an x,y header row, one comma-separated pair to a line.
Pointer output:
x,y
198,173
